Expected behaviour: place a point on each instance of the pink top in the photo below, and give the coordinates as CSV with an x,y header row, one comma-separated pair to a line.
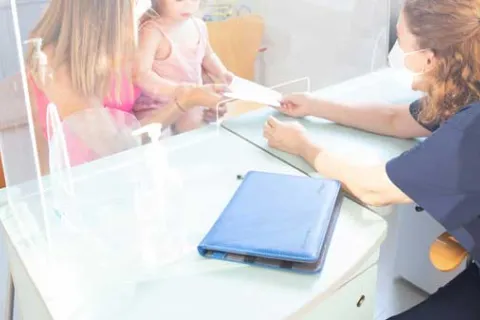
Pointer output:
x,y
183,65
125,103
78,151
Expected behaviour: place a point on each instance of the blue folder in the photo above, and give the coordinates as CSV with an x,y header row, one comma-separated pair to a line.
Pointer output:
x,y
278,221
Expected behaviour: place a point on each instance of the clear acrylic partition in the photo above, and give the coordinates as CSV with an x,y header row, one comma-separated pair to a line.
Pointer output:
x,y
105,218
116,211
326,40
20,170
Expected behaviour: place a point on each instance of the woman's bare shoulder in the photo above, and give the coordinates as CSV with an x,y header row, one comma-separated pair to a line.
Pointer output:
x,y
58,86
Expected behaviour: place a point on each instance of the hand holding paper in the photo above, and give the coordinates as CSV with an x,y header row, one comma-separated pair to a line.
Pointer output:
x,y
242,89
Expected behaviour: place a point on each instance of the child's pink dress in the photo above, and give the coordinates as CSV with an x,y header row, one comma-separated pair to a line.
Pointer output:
x,y
78,150
183,65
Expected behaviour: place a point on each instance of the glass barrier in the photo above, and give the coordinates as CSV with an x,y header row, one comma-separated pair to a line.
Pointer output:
x,y
327,41
99,202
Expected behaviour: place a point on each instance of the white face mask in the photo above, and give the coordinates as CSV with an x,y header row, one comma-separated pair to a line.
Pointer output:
x,y
396,60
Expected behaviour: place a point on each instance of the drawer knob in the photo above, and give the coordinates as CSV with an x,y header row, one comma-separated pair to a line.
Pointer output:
x,y
360,301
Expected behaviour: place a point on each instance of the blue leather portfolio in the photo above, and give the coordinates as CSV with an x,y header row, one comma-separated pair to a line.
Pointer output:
x,y
278,221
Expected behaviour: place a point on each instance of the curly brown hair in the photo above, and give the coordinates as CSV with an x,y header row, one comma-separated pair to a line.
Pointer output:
x,y
451,29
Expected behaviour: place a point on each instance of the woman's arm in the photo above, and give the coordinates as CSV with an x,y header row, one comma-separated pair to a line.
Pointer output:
x,y
386,119
187,98
370,184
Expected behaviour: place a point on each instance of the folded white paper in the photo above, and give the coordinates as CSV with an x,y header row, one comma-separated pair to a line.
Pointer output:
x,y
246,90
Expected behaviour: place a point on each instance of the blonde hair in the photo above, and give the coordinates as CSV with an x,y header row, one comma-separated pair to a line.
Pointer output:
x,y
93,39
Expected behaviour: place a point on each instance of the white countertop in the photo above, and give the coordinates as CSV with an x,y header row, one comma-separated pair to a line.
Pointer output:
x,y
364,147
206,163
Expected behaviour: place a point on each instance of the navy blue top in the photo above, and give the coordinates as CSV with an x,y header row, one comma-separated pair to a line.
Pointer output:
x,y
415,109
442,174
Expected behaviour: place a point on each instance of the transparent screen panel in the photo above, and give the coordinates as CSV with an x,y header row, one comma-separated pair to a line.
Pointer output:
x,y
107,214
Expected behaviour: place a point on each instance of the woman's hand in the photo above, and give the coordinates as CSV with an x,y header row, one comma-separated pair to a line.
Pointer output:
x,y
288,137
296,105
209,96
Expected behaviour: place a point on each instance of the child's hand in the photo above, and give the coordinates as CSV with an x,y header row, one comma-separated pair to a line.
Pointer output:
x,y
210,115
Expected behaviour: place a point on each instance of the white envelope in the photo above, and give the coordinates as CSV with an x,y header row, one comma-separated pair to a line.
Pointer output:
x,y
242,89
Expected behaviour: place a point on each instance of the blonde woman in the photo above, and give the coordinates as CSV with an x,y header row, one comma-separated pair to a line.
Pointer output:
x,y
90,46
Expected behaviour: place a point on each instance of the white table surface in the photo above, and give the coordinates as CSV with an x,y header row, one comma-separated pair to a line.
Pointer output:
x,y
410,233
360,146
194,287
378,87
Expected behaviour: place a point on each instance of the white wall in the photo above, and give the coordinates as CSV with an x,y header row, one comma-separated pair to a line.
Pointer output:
x,y
327,40
395,6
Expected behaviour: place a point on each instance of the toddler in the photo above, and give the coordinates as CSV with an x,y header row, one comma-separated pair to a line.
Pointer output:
x,y
174,51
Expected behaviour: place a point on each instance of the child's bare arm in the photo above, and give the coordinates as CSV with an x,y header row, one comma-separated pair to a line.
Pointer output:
x,y
149,40
213,66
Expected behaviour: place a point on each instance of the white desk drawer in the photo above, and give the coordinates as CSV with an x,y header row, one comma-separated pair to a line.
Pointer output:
x,y
347,303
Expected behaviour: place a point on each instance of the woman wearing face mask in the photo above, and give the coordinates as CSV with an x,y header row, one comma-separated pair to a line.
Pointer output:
x,y
440,41
90,46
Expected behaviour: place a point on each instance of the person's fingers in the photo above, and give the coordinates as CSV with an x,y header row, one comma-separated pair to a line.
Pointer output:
x,y
293,99
272,122
288,99
268,125
214,101
285,109
286,103
211,115
218,88
267,135
222,109
207,116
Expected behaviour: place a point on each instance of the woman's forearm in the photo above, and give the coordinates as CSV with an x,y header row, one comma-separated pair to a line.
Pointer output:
x,y
167,115
190,120
386,119
370,184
